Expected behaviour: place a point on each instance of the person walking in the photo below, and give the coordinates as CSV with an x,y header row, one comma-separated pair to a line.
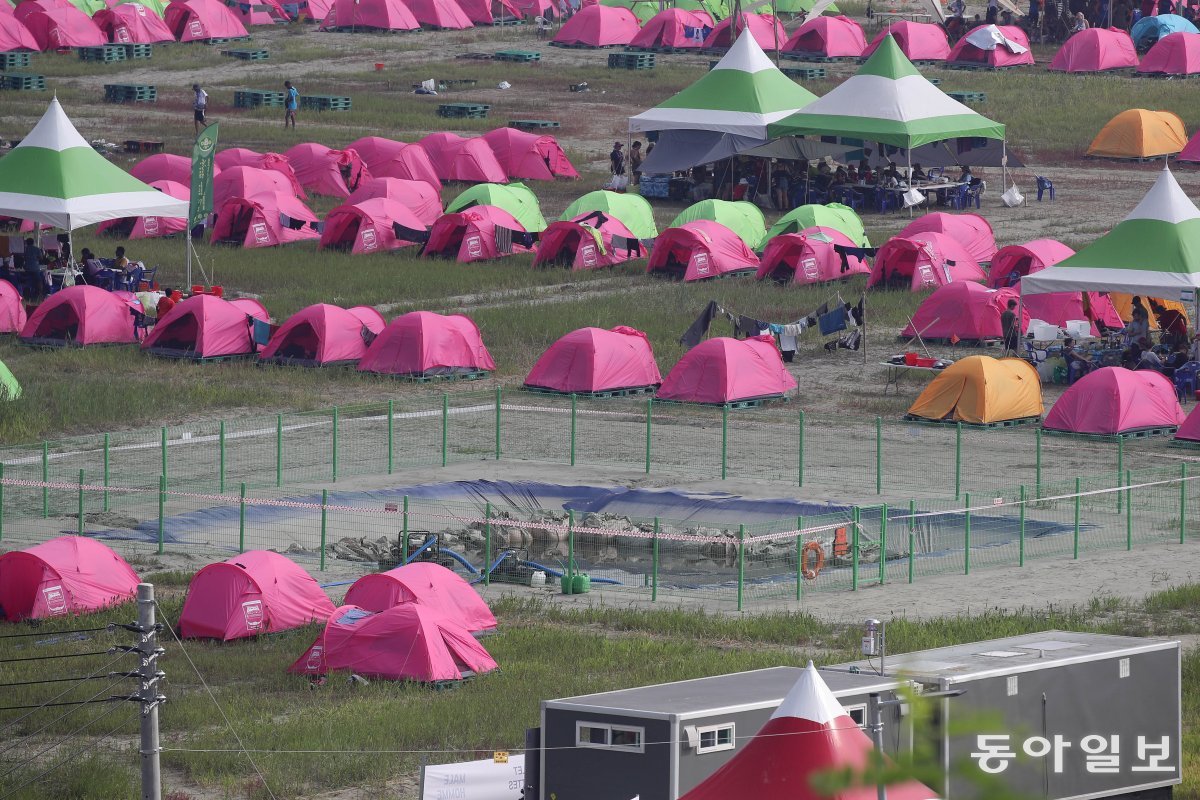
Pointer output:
x,y
1009,329
199,108
290,104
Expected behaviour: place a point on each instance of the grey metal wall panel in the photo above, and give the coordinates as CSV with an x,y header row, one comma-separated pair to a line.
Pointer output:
x,y
573,773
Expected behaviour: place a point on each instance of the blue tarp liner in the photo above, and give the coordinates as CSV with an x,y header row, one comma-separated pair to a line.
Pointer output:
x,y
1148,30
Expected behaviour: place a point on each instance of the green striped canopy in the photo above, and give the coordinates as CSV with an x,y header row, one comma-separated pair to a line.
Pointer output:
x,y
1154,251
741,96
55,177
890,102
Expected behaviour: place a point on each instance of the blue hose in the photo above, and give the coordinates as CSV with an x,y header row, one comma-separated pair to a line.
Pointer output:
x,y
558,574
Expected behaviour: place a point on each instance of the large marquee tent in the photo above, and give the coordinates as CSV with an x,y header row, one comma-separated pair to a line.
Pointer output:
x,y
729,110
56,178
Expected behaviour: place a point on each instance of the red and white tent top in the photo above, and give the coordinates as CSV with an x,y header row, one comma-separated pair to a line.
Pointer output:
x,y
808,734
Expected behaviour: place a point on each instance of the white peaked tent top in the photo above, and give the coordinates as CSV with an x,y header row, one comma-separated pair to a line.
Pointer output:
x,y
740,96
810,699
1154,251
989,37
55,177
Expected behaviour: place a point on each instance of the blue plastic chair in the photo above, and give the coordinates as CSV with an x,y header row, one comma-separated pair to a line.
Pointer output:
x,y
1186,379
848,197
1044,185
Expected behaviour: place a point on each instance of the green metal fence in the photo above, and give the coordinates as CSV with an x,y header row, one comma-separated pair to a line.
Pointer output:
x,y
915,499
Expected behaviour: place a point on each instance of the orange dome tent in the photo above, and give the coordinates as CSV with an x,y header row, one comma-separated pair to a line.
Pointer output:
x,y
1139,133
981,390
1123,303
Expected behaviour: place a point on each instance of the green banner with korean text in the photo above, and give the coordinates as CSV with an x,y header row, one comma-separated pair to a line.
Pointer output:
x,y
203,154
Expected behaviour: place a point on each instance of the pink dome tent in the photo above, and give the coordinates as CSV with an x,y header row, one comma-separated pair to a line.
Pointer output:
x,y
598,26
267,219
132,23
424,344
244,157
827,37
529,155
765,29
1115,400
405,642
809,734
67,575
443,15
923,261
972,231
15,36
250,594
488,12
810,256
590,241
1189,431
205,326
379,15
1190,151
201,20
996,46
386,158
470,235
167,167
60,27
724,370
12,310
963,310
323,335
593,360
426,584
151,227
247,182
1015,261
919,41
323,170
460,159
419,197
673,29
1174,54
376,225
699,250
1096,50
80,315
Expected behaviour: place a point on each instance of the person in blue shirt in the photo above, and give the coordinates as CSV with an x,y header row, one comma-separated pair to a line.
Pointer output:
x,y
291,102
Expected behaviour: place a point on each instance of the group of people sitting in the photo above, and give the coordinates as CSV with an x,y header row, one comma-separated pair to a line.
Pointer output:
x,y
1174,348
31,268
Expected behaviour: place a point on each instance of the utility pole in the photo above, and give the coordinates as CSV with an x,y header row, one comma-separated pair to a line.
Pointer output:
x,y
875,724
148,695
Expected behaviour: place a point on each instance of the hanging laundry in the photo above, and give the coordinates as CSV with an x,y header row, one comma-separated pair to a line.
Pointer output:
x,y
745,327
832,321
695,332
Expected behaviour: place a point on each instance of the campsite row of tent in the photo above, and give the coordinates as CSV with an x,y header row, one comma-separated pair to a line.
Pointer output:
x,y
57,24
415,622
1106,402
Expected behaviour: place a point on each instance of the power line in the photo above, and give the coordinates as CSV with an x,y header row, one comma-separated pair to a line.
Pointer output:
x,y
57,719
59,705
216,703
74,755
60,655
53,680
63,693
56,633
60,741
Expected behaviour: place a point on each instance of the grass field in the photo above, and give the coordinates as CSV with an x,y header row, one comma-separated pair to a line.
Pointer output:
x,y
544,651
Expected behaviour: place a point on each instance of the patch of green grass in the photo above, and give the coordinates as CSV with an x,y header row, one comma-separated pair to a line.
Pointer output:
x,y
609,648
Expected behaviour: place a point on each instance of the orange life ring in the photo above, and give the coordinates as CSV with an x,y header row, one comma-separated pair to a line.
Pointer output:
x,y
811,547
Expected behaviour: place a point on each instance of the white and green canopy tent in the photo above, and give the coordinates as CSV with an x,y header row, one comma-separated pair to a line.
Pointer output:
x,y
55,177
1154,251
888,101
728,111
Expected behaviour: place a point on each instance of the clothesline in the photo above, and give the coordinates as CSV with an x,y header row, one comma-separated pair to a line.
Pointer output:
x,y
826,319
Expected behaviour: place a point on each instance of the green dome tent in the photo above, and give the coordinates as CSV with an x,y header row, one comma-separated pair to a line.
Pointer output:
x,y
642,9
834,215
741,217
632,210
515,198
717,9
9,388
